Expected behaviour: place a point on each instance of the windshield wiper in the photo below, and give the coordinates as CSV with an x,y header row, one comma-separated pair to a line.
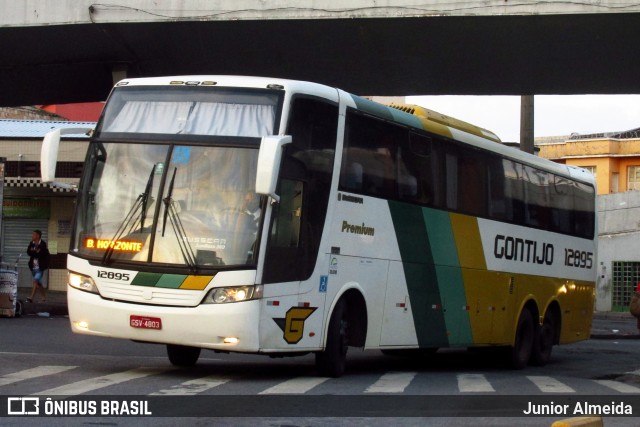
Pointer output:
x,y
145,197
168,200
128,223
171,212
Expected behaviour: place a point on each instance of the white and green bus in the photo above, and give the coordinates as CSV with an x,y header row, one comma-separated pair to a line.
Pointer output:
x,y
278,217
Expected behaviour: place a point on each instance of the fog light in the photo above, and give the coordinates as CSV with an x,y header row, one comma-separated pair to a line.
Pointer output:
x,y
82,325
230,340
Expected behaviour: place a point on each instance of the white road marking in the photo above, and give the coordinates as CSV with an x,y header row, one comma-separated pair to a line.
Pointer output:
x,y
550,385
96,383
195,386
27,374
393,382
618,386
474,383
297,385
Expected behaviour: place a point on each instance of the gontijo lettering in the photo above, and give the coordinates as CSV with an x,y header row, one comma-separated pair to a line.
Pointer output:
x,y
523,250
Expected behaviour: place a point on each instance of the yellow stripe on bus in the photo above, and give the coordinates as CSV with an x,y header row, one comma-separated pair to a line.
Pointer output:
x,y
196,282
467,237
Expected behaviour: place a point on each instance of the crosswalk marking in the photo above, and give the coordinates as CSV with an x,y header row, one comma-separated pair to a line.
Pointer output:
x,y
27,374
295,386
550,385
393,382
195,386
474,383
618,386
96,383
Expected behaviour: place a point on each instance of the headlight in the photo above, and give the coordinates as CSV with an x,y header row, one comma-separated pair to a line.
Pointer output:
x,y
82,282
233,294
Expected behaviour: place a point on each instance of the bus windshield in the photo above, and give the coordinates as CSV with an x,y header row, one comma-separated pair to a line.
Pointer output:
x,y
170,177
169,204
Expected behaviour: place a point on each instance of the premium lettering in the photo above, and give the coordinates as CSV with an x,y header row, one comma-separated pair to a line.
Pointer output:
x,y
357,229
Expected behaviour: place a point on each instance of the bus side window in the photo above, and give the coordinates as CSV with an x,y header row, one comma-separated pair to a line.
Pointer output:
x,y
514,191
472,182
451,180
584,211
536,187
417,170
352,177
496,200
561,213
285,230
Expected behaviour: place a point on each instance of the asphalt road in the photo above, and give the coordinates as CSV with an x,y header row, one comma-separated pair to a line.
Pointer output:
x,y
578,371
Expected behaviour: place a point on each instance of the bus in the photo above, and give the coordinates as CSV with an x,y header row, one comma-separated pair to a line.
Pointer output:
x,y
279,217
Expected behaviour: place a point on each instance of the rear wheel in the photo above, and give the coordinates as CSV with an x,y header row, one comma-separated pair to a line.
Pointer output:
x,y
521,350
332,361
181,355
543,343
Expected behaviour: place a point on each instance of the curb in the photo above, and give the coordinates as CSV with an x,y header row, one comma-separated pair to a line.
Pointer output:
x,y
47,310
611,336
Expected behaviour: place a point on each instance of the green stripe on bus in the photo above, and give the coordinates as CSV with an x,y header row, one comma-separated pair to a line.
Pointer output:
x,y
171,281
449,277
388,113
146,279
420,274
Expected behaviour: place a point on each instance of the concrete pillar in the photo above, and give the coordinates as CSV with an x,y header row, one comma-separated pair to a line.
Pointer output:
x,y
118,72
526,123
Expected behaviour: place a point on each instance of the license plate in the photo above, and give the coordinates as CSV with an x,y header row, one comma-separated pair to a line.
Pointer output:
x,y
145,322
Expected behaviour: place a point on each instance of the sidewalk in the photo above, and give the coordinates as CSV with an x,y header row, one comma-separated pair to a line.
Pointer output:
x,y
606,325
55,305
614,325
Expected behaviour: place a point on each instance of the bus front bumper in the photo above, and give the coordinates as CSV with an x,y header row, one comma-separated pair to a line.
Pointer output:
x,y
225,327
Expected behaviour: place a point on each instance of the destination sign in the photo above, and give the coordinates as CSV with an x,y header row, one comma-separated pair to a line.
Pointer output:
x,y
114,245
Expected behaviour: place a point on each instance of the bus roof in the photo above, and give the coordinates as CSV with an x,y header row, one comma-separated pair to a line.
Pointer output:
x,y
440,124
410,115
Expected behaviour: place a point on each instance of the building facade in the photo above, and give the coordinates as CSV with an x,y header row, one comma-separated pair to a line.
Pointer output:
x,y
29,204
614,158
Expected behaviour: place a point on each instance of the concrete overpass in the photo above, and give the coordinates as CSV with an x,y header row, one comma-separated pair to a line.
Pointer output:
x,y
59,51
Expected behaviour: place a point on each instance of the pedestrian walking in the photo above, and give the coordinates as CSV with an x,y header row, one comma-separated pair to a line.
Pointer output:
x,y
38,264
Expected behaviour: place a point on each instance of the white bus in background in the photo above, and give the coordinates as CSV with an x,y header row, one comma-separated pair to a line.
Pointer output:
x,y
278,217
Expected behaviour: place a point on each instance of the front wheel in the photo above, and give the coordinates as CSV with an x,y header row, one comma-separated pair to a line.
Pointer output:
x,y
181,355
332,361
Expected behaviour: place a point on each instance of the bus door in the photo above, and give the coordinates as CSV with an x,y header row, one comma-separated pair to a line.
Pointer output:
x,y
297,223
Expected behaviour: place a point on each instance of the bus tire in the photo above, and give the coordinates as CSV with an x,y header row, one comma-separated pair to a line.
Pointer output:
x,y
181,355
522,347
543,343
332,360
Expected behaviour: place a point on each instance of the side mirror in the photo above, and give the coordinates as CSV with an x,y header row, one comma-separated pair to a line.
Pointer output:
x,y
269,159
49,153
